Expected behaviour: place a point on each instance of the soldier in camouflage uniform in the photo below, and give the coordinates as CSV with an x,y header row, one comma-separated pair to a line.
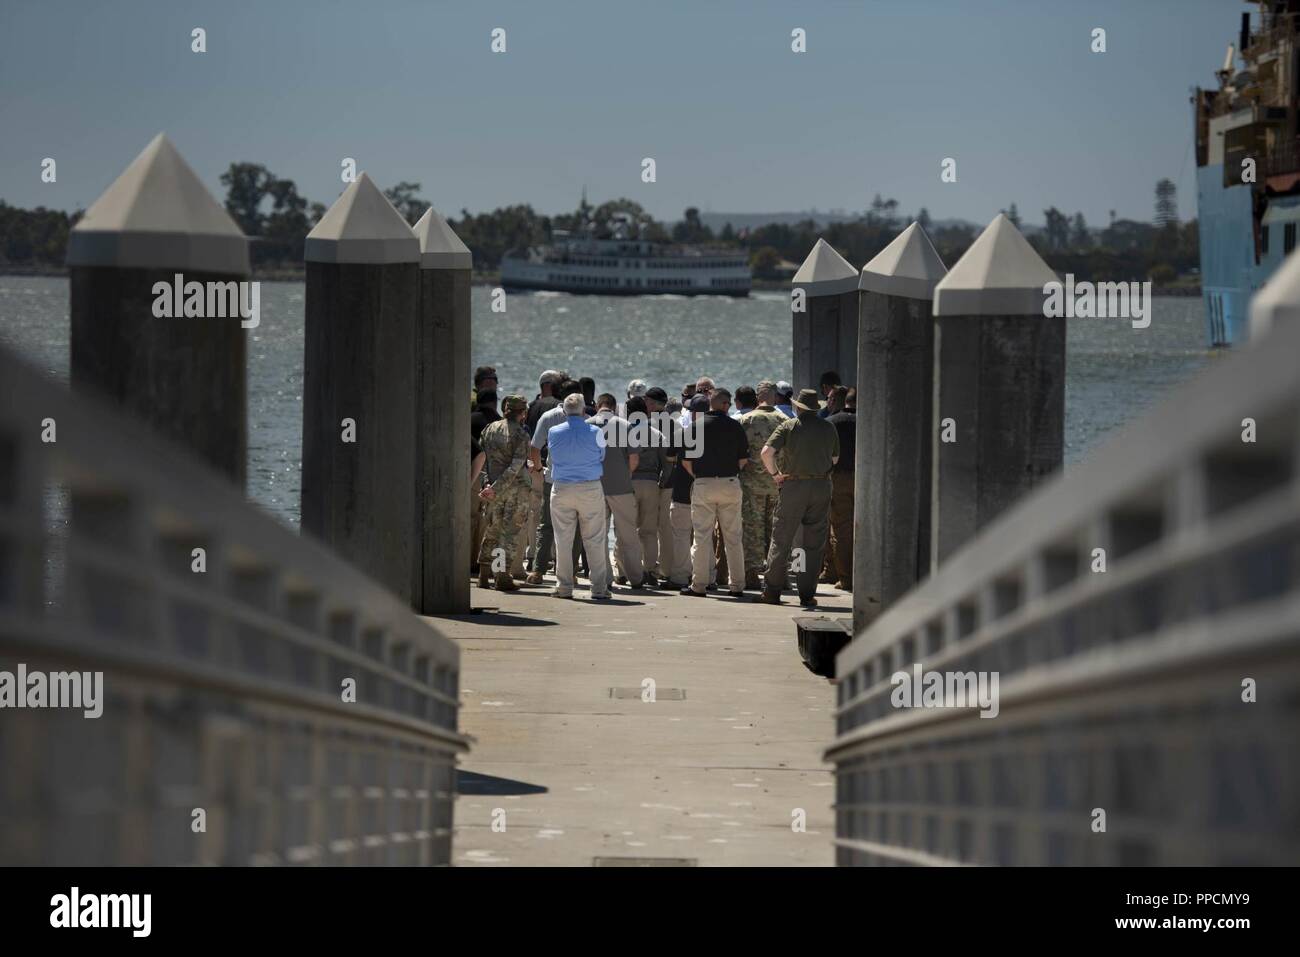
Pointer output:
x,y
508,492
758,488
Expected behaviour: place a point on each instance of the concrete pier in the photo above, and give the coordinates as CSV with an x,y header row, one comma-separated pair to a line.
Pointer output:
x,y
442,427
171,364
999,417
891,509
573,767
826,330
359,468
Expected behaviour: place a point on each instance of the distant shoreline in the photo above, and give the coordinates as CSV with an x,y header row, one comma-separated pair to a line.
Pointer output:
x,y
484,279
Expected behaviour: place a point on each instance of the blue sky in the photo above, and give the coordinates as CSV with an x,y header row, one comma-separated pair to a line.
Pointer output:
x,y
734,120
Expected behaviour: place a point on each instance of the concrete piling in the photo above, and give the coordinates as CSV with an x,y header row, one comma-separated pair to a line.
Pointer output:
x,y
359,477
826,328
999,416
152,323
442,425
895,382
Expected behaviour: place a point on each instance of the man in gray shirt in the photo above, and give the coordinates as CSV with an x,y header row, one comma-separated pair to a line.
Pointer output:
x,y
651,501
621,460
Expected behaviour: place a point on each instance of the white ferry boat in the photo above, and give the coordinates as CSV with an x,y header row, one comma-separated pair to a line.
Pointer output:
x,y
627,267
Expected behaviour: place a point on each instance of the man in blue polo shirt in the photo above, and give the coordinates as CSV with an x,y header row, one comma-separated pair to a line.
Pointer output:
x,y
577,462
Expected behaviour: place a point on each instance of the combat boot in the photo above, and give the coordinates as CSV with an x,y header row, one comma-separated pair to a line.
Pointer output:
x,y
484,576
506,583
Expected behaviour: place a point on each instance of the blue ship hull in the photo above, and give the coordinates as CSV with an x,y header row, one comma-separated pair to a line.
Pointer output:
x,y
1227,255
1229,273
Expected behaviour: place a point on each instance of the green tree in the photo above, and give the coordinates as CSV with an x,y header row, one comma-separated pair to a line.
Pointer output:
x,y
1162,274
1080,238
1057,232
764,261
247,186
690,229
404,199
288,217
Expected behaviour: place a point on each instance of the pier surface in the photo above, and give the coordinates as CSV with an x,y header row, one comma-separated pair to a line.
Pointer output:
x,y
585,772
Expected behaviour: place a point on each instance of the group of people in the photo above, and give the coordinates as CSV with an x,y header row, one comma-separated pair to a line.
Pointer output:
x,y
705,492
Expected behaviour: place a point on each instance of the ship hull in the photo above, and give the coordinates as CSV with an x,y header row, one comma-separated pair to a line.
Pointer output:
x,y
614,268
520,285
1228,270
1230,274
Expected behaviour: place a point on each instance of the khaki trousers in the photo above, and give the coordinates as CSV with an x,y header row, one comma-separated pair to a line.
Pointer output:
x,y
667,548
580,507
716,500
627,541
651,511
679,571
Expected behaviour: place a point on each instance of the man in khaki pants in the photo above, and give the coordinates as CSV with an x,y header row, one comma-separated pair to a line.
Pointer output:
x,y
716,496
656,401
622,456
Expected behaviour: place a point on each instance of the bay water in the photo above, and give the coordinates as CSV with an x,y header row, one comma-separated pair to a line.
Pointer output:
x,y
1113,371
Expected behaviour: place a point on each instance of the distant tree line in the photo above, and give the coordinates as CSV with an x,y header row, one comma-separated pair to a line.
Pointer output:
x,y
34,237
272,212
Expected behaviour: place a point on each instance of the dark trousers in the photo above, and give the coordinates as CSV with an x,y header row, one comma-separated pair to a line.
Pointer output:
x,y
841,521
545,534
801,504
546,538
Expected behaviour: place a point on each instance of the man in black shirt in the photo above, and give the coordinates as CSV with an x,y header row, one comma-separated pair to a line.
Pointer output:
x,y
546,399
679,512
715,494
844,416
484,414
485,380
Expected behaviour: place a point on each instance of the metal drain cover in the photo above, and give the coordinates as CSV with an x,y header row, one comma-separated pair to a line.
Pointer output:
x,y
644,862
661,694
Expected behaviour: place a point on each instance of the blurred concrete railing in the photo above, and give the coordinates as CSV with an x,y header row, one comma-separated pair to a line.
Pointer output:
x,y
1122,691
227,733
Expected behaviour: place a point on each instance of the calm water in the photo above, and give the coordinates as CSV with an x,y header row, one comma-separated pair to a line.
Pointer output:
x,y
1113,370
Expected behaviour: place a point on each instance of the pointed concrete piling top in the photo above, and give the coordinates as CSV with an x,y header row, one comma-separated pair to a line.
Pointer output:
x,y
159,215
1278,301
908,267
440,247
825,272
362,227
1000,275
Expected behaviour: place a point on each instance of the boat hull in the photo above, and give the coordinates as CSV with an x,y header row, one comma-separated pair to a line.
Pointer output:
x,y
519,285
